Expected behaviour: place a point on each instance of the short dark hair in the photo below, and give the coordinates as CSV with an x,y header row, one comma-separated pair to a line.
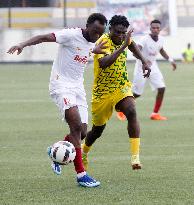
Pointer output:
x,y
155,21
96,17
118,19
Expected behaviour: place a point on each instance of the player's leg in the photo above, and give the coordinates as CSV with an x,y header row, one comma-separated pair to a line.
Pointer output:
x,y
91,137
101,112
137,89
159,99
83,132
127,106
73,119
157,83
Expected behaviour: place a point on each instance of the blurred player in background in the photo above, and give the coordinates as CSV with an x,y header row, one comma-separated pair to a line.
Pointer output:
x,y
66,81
151,45
188,54
112,89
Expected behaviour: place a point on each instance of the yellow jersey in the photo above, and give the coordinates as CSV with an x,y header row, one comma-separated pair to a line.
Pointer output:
x,y
189,55
109,79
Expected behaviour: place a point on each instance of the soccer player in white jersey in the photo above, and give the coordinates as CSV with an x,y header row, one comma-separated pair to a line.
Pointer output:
x,y
66,81
151,46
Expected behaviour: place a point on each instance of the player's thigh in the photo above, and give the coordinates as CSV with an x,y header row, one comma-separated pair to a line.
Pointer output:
x,y
64,101
72,116
156,81
121,94
101,111
138,83
127,106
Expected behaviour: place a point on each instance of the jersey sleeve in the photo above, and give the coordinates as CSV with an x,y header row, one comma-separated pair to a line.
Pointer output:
x,y
106,50
63,36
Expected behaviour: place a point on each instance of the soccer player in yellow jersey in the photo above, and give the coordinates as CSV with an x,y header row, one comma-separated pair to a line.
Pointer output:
x,y
112,89
188,54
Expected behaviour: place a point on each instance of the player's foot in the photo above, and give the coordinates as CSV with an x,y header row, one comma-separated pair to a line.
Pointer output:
x,y
135,162
87,181
85,160
49,151
54,165
121,116
157,116
56,168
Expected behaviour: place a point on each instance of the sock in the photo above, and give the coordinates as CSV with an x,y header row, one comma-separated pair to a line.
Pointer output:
x,y
157,105
86,148
79,175
79,168
134,145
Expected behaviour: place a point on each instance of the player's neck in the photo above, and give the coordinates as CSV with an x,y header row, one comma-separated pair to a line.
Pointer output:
x,y
155,38
86,35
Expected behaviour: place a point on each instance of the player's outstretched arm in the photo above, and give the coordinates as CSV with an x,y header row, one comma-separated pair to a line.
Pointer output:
x,y
108,60
32,41
137,53
166,56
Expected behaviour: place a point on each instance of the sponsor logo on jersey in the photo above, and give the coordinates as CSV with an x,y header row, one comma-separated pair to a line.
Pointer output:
x,y
80,59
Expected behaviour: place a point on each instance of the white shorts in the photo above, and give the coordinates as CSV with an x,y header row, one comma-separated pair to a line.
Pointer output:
x,y
69,97
155,80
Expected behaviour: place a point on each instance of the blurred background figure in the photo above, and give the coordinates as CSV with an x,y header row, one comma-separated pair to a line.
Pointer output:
x,y
188,54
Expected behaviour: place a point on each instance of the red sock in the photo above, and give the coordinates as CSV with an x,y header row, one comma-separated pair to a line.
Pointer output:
x,y
78,158
78,161
157,105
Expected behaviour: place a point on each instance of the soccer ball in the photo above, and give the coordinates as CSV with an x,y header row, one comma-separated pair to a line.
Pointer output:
x,y
63,152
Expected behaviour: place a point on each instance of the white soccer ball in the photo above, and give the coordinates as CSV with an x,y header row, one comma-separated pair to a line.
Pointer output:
x,y
63,152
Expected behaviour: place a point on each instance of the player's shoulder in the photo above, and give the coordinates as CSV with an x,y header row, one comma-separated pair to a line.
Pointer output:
x,y
73,31
142,40
145,38
161,38
104,37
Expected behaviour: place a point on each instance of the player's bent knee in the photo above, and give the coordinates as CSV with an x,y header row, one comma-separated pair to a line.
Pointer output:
x,y
76,128
131,113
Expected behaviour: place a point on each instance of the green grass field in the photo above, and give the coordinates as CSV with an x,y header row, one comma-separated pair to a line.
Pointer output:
x,y
30,122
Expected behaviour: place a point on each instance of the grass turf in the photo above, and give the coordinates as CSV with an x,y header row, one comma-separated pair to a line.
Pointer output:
x,y
30,122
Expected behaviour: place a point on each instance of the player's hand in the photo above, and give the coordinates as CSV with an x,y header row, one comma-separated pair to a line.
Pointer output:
x,y
149,63
98,49
146,70
173,66
128,37
13,49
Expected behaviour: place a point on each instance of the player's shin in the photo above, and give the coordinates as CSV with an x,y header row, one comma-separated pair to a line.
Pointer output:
x,y
85,151
134,150
79,168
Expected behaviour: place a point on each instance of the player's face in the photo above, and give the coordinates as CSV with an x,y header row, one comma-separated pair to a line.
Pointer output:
x,y
155,29
95,30
118,34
